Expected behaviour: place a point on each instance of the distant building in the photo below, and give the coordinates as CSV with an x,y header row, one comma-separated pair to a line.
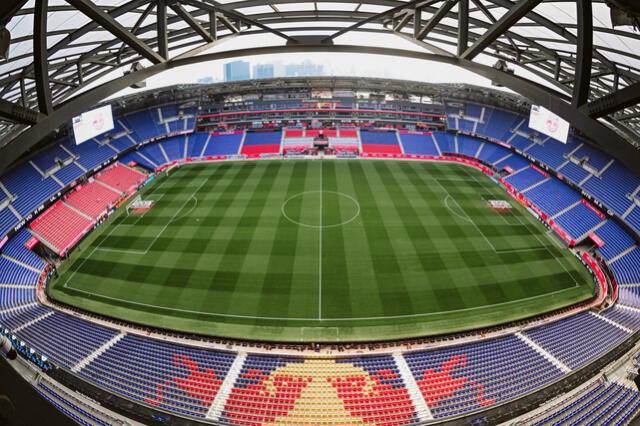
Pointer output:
x,y
236,70
305,69
263,71
205,80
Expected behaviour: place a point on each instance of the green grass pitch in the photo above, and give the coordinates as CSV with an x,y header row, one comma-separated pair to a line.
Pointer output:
x,y
322,250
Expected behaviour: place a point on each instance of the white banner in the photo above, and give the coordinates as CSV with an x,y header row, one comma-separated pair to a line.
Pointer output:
x,y
92,123
546,122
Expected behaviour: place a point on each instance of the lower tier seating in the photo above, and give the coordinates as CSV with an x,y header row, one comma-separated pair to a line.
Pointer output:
x,y
61,226
93,198
121,177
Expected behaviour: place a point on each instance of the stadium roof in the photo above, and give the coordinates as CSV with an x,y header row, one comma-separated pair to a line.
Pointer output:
x,y
67,55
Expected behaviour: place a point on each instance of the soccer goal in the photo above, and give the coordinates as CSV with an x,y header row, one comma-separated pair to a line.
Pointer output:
x,y
139,206
500,205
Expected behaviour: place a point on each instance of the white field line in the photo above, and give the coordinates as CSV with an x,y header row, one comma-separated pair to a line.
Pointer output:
x,y
320,249
545,247
66,284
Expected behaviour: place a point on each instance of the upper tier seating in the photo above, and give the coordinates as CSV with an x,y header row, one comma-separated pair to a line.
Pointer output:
x,y
46,159
61,226
7,221
498,124
492,153
616,239
525,178
552,196
93,198
121,177
521,142
633,218
138,159
578,339
12,297
90,154
446,141
418,143
468,146
629,295
16,249
514,161
229,144
69,173
574,172
143,124
594,157
29,187
613,187
23,315
552,152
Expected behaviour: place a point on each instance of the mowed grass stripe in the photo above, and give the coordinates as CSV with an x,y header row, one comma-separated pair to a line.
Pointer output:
x,y
406,266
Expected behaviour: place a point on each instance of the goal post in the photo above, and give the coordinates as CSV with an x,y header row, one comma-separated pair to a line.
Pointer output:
x,y
138,206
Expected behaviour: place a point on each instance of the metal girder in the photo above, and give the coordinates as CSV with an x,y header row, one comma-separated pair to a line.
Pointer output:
x,y
17,113
513,15
195,25
463,26
8,8
436,18
41,67
538,94
108,23
613,102
161,28
584,53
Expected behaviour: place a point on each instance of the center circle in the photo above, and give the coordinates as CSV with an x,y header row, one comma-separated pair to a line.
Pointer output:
x,y
321,209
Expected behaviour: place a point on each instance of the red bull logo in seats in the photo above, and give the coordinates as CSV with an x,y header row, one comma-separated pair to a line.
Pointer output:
x,y
201,385
320,391
438,385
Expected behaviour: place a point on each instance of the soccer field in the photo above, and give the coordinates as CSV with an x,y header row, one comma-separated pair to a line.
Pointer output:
x,y
322,250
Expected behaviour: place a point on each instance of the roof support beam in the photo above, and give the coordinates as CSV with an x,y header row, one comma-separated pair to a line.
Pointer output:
x,y
613,102
513,15
463,26
161,28
17,113
111,25
8,8
213,25
195,25
41,67
584,54
436,18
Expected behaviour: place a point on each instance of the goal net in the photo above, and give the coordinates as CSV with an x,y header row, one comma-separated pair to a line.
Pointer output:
x,y
138,206
499,205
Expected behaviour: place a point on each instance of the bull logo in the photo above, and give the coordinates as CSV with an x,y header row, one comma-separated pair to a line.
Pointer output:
x,y
439,385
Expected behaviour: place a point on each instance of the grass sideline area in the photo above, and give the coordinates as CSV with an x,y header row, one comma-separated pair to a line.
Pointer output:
x,y
322,250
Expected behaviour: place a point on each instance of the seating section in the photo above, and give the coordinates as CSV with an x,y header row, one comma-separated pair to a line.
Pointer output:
x,y
525,178
93,198
492,153
196,143
7,220
468,146
176,378
624,316
153,152
69,173
121,177
513,161
633,218
578,339
65,339
552,196
256,143
22,315
61,226
14,273
456,380
627,268
174,147
613,187
46,159
298,391
229,144
380,142
90,154
12,297
521,142
616,239
595,158
552,152
578,220
418,143
121,143
446,142
599,403
629,295
144,125
574,172
15,249
29,187
138,159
